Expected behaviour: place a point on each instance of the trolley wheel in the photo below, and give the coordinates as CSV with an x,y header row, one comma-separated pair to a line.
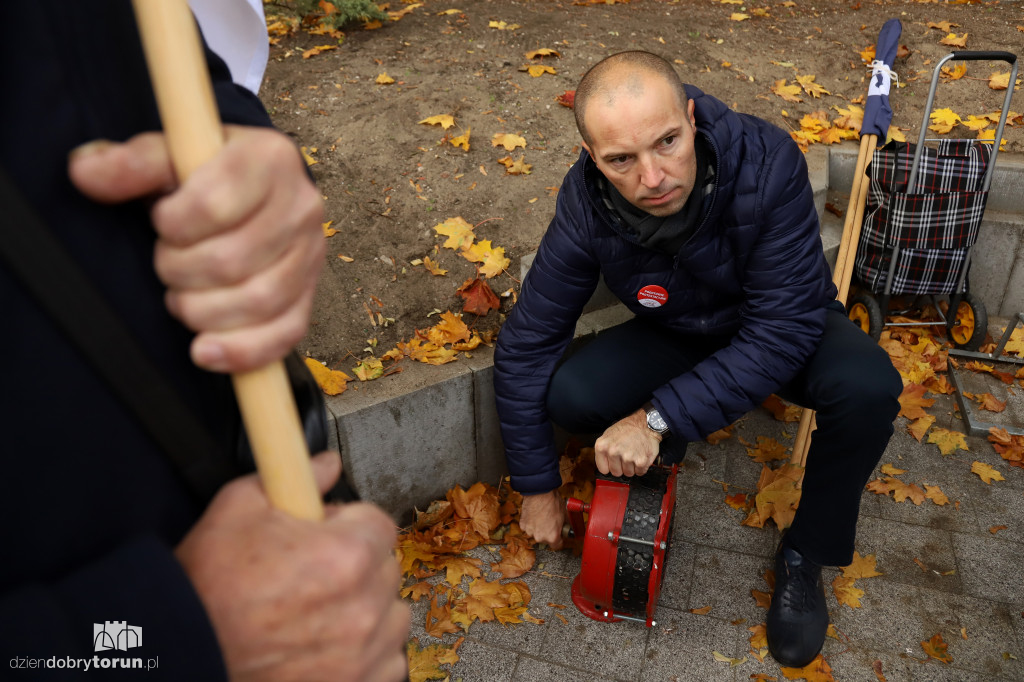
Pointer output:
x,y
864,311
968,325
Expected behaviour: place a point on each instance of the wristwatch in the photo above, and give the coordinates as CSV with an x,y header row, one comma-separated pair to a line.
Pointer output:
x,y
655,422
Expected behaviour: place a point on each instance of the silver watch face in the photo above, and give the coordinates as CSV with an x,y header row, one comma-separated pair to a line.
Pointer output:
x,y
656,421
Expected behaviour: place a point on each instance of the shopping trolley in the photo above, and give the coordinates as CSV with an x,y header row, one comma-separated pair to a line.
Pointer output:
x,y
924,210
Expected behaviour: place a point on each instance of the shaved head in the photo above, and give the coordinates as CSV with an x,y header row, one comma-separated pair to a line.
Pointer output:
x,y
622,74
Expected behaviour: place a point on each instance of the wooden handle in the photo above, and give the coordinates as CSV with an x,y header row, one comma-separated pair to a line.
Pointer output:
x,y
843,271
184,94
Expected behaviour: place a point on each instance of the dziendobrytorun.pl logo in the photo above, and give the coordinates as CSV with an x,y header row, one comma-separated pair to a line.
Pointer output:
x,y
111,635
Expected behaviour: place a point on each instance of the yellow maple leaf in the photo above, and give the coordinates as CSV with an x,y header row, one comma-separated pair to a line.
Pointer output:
x,y
516,559
328,230
935,494
384,79
369,369
307,154
902,491
443,120
780,410
944,26
517,167
955,73
424,663
990,136
542,52
790,93
450,329
861,567
428,353
943,120
999,81
448,11
331,381
492,260
912,402
817,670
767,450
831,136
502,26
738,16
937,649
849,119
733,662
439,619
758,637
846,593
888,468
948,441
417,591
538,70
919,427
461,141
313,51
508,141
811,124
459,232
810,87
953,40
435,269
986,472
975,123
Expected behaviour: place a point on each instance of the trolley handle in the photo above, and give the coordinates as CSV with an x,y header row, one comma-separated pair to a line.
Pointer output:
x,y
985,55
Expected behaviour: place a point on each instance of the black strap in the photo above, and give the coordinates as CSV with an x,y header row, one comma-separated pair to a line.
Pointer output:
x,y
54,279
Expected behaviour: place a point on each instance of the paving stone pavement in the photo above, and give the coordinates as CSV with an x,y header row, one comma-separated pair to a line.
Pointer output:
x,y
944,572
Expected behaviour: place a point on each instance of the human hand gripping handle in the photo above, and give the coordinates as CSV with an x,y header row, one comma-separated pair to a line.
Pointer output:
x,y
194,135
627,447
292,599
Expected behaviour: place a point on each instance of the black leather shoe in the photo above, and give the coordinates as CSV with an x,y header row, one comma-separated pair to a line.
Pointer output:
x,y
797,617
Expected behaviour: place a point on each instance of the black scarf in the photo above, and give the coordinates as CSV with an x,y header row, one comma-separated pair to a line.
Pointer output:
x,y
667,233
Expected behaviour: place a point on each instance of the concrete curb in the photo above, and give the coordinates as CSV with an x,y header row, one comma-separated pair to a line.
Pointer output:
x,y
409,438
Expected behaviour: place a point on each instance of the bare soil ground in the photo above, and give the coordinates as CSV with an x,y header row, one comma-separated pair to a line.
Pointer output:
x,y
388,179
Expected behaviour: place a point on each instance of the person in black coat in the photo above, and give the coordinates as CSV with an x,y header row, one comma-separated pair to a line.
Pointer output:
x,y
701,220
102,537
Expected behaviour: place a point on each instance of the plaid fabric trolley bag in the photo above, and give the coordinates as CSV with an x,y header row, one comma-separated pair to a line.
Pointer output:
x,y
924,210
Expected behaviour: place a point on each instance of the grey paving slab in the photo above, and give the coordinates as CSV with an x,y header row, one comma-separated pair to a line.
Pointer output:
x,y
613,650
677,578
723,580
1000,506
935,671
534,670
857,664
889,619
703,518
988,628
896,545
481,663
990,567
682,647
528,638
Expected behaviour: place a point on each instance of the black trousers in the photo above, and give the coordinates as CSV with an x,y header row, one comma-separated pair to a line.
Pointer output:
x,y
849,381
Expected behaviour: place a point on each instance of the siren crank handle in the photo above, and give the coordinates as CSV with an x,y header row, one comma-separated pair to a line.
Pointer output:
x,y
184,94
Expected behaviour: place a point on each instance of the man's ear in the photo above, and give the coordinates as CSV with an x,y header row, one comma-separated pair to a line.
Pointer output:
x,y
689,113
587,147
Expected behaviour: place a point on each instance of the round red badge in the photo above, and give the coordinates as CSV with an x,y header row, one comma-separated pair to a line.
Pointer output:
x,y
652,296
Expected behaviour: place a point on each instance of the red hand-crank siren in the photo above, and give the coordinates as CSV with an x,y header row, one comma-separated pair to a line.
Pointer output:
x,y
625,545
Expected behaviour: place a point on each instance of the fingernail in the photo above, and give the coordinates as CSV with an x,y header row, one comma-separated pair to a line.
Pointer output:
x,y
209,355
90,148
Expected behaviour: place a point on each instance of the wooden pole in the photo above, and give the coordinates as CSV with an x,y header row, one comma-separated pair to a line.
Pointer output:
x,y
842,273
184,94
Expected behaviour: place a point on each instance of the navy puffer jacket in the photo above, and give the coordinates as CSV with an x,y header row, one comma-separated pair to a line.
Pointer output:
x,y
753,269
